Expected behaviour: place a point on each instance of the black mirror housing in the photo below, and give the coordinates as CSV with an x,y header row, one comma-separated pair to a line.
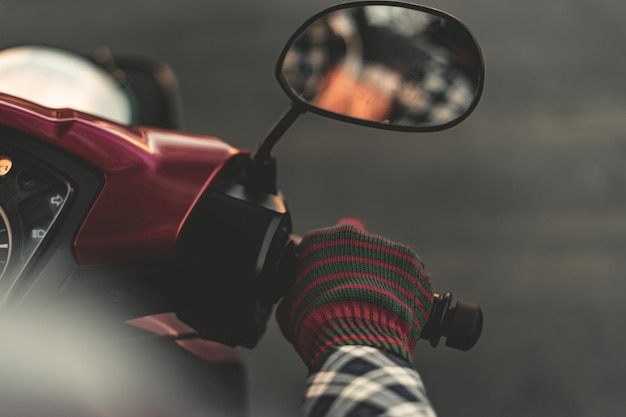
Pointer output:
x,y
384,64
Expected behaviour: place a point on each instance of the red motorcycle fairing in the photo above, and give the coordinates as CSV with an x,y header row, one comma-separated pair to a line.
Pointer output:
x,y
152,177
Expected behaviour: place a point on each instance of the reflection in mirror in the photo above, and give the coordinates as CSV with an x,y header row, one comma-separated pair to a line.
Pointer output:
x,y
396,65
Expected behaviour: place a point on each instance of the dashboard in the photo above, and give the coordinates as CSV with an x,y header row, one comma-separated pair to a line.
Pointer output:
x,y
45,195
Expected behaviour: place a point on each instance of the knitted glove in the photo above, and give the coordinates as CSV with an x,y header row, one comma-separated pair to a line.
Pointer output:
x,y
355,288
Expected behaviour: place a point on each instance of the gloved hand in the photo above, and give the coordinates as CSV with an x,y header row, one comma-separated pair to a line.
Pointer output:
x,y
355,288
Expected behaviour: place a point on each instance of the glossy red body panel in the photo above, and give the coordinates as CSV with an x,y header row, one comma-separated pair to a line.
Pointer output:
x,y
168,325
152,178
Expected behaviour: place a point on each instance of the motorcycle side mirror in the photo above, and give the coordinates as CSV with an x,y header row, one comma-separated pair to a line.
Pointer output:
x,y
384,64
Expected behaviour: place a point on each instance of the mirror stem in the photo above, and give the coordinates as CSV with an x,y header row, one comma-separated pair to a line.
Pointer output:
x,y
264,152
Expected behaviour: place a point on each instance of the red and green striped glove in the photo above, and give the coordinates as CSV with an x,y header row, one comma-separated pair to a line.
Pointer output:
x,y
355,288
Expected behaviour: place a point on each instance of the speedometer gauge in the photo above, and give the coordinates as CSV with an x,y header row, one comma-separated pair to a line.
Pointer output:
x,y
31,198
5,241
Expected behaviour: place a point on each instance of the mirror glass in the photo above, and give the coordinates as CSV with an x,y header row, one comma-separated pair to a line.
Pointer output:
x,y
395,66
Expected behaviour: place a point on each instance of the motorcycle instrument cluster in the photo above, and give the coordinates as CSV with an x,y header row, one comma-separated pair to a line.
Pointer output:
x,y
32,197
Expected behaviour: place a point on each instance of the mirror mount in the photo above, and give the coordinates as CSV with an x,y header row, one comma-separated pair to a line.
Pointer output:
x,y
260,175
264,151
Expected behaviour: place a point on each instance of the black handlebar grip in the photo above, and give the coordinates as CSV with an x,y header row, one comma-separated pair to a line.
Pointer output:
x,y
461,324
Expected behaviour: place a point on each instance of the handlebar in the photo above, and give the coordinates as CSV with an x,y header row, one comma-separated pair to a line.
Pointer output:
x,y
256,254
460,324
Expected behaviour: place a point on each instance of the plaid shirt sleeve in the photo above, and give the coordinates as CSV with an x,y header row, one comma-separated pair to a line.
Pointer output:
x,y
363,381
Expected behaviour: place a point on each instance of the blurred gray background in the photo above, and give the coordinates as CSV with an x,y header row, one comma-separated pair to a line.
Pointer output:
x,y
521,208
